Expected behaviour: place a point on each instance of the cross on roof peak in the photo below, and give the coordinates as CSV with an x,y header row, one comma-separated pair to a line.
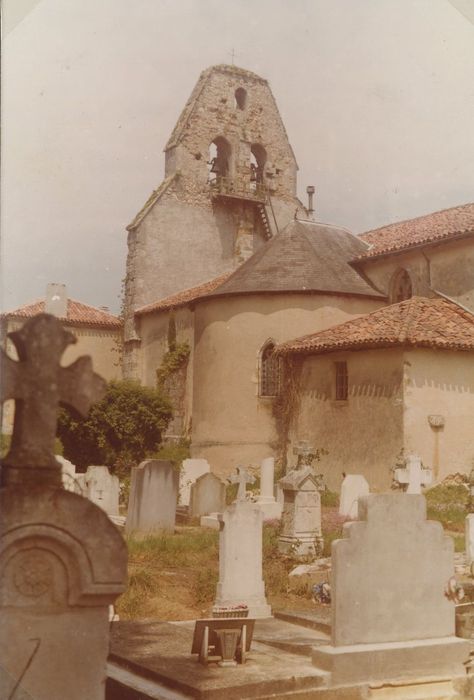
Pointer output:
x,y
38,384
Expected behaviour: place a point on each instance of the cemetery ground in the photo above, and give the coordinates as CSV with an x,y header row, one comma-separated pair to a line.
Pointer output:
x,y
174,576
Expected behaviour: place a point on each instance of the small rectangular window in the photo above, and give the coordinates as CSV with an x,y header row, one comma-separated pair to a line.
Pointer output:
x,y
342,384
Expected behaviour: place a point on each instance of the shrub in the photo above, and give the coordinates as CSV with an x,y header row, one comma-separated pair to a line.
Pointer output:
x,y
122,429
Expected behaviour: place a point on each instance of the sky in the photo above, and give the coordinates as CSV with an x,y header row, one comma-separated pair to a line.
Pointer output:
x,y
377,97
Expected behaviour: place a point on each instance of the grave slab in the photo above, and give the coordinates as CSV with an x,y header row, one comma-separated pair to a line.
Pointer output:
x,y
353,486
207,496
390,617
153,497
191,470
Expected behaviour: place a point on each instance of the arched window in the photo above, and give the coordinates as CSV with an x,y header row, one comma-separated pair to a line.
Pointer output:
x,y
219,158
270,371
258,158
400,287
240,98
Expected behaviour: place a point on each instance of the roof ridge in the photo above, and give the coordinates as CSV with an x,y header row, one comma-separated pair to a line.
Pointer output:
x,y
416,218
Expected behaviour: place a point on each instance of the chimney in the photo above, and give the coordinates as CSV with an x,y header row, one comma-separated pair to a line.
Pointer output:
x,y
56,300
310,191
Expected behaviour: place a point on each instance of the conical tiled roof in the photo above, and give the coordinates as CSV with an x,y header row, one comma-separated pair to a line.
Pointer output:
x,y
304,257
417,322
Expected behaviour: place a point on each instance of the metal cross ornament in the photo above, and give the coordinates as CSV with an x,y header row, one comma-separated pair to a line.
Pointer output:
x,y
38,384
242,478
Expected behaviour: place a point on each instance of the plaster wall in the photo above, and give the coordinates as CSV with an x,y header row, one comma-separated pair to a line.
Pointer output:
x,y
440,383
153,330
232,424
102,345
362,435
447,268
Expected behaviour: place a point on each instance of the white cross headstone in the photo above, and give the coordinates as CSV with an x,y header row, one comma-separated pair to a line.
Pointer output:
x,y
414,474
242,478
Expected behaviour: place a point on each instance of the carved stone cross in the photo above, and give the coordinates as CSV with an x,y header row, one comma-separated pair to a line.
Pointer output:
x,y
38,384
414,474
242,478
305,453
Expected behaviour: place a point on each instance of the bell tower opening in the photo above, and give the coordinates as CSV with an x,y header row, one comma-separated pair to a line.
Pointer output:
x,y
219,159
258,158
240,98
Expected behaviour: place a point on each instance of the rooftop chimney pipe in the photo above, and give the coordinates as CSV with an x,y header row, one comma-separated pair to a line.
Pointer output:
x,y
310,191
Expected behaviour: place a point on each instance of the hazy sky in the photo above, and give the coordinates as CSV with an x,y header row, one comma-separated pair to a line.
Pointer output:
x,y
377,97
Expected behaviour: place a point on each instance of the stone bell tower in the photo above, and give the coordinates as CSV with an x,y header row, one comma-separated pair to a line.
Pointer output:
x,y
230,184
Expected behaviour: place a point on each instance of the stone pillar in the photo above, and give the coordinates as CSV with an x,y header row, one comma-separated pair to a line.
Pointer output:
x,y
301,519
270,508
240,559
63,563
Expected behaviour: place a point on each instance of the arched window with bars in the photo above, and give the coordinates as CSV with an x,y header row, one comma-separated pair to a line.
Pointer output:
x,y
270,371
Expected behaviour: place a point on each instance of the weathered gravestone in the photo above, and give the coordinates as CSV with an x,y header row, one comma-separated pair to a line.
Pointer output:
x,y
103,488
353,487
267,502
240,554
207,496
301,518
62,561
191,469
153,497
390,618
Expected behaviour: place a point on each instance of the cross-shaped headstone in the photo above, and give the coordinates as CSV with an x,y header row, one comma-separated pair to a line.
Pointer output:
x,y
305,453
414,474
38,384
242,478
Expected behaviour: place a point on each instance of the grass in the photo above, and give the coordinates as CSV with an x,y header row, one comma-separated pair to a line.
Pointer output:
x,y
174,576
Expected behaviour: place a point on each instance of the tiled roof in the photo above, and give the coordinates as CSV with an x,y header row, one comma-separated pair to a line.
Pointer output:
x,y
305,257
440,225
418,322
78,314
151,201
186,296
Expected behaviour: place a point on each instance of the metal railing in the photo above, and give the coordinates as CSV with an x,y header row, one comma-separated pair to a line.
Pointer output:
x,y
229,187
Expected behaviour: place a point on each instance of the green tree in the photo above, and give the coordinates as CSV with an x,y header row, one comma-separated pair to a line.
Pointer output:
x,y
122,429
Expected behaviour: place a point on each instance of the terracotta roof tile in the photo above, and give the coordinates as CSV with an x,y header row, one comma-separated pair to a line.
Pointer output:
x,y
418,322
77,314
431,228
184,297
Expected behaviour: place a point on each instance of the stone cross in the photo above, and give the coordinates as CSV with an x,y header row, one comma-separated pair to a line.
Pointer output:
x,y
414,474
306,454
38,384
242,478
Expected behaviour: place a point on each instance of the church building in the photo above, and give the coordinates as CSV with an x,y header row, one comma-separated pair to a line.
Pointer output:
x,y
289,328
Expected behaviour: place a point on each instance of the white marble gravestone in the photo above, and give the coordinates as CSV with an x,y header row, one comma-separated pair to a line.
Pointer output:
x,y
103,488
469,531
266,500
414,475
191,469
353,486
390,618
71,480
240,559
153,497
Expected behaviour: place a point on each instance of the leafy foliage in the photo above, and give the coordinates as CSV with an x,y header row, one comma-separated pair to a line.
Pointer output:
x,y
175,453
173,360
120,430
